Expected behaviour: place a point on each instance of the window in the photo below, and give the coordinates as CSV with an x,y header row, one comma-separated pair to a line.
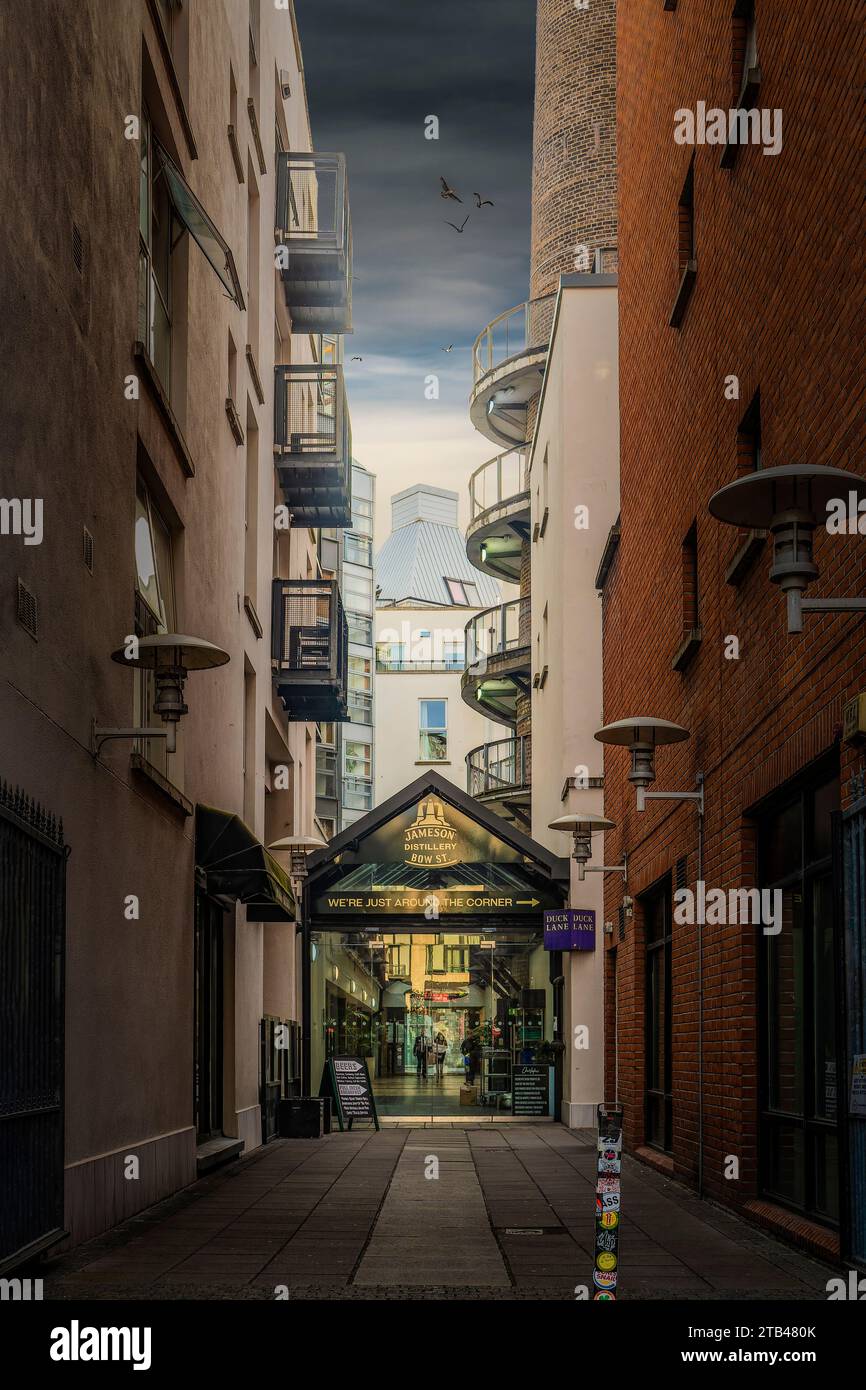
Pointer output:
x,y
658,1110
358,549
749,455
691,596
744,49
155,610
433,731
357,588
685,247
799,1150
156,236
358,759
326,772
453,655
360,629
360,689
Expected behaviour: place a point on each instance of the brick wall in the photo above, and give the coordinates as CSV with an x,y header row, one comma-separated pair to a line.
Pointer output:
x,y
574,137
778,302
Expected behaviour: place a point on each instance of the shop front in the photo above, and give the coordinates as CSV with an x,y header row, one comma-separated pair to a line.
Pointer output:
x,y
432,965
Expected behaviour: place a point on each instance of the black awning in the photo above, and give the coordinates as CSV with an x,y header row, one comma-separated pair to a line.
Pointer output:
x,y
237,865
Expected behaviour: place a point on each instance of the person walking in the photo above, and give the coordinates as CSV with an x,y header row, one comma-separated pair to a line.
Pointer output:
x,y
440,1047
422,1047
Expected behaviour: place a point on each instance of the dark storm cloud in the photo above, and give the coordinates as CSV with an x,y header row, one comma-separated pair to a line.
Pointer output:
x,y
374,70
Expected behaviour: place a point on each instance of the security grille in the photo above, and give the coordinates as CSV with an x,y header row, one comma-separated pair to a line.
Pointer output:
x,y
28,609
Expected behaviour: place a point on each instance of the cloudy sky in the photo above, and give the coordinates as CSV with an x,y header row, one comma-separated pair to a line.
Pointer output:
x,y
374,70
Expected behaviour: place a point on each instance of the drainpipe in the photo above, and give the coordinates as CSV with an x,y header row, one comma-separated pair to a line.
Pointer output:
x,y
700,780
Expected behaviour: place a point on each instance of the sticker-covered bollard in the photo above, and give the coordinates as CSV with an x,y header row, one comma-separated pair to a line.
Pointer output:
x,y
607,1202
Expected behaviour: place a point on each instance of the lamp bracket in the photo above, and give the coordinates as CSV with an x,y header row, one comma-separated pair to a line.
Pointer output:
x,y
643,796
98,736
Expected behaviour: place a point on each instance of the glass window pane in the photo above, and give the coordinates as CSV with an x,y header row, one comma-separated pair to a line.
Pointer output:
x,y
433,747
145,559
785,1010
200,226
826,1175
826,800
144,181
825,1079
782,844
433,714
786,1162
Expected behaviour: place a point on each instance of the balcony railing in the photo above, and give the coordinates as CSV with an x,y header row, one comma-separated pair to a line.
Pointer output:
x,y
309,649
313,443
497,631
522,329
386,662
497,481
503,766
315,232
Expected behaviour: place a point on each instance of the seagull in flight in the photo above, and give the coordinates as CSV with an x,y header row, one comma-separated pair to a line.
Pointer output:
x,y
449,348
356,359
447,191
462,224
483,202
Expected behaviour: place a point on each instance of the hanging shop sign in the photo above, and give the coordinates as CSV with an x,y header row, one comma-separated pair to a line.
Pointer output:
x,y
347,1081
531,1089
571,929
607,1202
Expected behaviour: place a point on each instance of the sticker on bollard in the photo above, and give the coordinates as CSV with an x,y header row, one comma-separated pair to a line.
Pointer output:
x,y
607,1202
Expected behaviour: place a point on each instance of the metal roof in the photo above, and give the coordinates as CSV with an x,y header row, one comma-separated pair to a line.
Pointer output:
x,y
415,561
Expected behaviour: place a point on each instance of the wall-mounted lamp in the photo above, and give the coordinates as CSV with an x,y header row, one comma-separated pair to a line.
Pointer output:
x,y
170,657
298,847
642,736
791,502
582,827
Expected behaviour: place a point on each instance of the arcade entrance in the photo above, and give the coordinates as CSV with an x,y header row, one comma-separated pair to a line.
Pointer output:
x,y
424,947
442,1018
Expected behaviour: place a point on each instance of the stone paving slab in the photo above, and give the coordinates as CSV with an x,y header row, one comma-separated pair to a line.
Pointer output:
x,y
354,1216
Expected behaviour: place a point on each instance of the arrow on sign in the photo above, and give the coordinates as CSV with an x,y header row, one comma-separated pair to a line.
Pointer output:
x,y
528,902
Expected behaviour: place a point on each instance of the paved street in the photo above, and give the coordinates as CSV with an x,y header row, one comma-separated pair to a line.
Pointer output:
x,y
511,1215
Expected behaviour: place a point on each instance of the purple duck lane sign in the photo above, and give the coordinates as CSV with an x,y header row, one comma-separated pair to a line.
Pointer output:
x,y
572,929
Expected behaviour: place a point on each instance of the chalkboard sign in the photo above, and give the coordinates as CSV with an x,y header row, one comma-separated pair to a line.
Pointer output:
x,y
531,1086
347,1081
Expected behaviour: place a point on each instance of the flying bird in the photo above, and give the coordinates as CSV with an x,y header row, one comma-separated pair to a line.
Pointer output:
x,y
450,347
483,202
356,359
447,191
462,224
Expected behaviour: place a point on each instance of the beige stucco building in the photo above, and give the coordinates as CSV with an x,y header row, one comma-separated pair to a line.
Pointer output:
x,y
183,353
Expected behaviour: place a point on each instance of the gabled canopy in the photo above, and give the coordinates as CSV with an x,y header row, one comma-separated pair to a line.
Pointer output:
x,y
432,853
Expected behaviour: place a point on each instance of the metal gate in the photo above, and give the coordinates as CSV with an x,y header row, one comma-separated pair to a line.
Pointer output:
x,y
854,875
32,932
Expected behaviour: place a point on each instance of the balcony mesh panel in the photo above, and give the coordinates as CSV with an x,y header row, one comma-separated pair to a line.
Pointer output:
x,y
311,412
306,631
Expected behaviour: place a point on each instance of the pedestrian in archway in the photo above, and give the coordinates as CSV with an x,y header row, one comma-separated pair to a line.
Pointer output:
x,y
421,1049
440,1047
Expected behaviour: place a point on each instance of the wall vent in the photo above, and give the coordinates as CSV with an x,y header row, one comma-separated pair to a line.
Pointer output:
x,y
680,873
88,549
78,248
28,610
620,914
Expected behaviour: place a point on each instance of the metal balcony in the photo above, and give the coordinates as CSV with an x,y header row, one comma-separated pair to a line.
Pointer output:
x,y
499,515
498,660
508,361
313,443
310,649
314,234
499,775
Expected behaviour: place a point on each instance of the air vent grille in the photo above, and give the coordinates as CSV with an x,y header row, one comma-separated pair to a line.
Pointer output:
x,y
28,609
681,872
620,915
78,248
88,549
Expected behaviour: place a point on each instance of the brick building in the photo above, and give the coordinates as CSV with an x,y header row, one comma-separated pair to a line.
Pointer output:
x,y
741,349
